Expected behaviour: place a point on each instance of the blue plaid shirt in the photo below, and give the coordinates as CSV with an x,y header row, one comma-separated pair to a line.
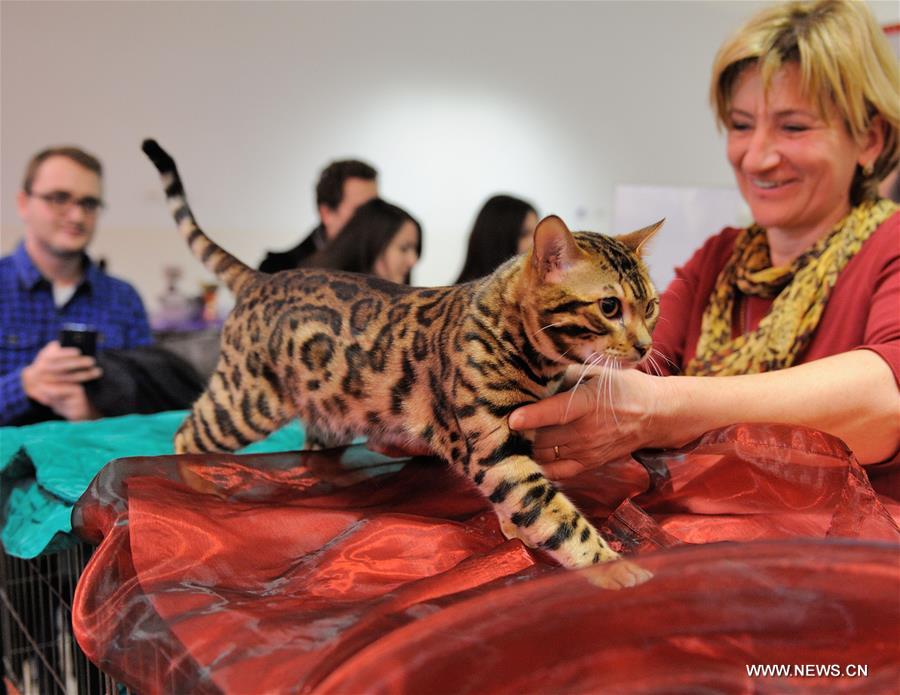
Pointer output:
x,y
29,320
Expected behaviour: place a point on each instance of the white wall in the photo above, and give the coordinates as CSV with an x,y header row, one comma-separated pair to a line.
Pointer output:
x,y
557,102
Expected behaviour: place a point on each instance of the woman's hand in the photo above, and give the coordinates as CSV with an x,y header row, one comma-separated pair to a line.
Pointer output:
x,y
853,396
601,420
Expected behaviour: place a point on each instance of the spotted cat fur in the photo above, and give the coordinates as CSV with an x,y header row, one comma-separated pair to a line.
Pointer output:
x,y
433,369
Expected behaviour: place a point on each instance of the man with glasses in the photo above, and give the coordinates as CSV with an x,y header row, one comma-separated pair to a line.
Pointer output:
x,y
48,282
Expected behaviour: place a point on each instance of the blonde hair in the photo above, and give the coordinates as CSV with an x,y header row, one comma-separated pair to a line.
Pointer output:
x,y
844,60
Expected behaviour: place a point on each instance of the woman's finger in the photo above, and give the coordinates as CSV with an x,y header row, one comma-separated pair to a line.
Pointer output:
x,y
558,409
559,435
585,451
564,468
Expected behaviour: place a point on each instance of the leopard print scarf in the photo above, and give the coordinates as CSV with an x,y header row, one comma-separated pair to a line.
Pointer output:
x,y
801,292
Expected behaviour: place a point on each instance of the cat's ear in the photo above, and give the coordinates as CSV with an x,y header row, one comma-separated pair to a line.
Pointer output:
x,y
554,250
635,240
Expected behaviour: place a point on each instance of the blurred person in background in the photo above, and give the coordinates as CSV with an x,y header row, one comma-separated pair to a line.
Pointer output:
x,y
343,186
380,239
503,228
49,281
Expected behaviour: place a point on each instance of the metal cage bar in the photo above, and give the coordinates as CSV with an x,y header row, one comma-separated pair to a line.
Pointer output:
x,y
38,649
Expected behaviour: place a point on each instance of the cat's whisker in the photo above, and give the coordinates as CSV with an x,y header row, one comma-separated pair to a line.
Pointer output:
x,y
601,357
601,386
656,351
612,405
549,325
610,398
584,368
603,364
599,395
593,360
605,388
596,361
654,366
588,366
590,361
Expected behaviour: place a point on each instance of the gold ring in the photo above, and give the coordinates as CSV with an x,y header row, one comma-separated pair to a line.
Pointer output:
x,y
556,451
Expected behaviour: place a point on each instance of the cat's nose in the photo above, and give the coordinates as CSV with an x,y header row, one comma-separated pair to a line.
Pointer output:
x,y
642,349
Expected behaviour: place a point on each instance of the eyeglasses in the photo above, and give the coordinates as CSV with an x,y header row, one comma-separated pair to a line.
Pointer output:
x,y
61,201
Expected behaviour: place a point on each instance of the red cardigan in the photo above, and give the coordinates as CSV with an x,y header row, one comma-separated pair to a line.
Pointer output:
x,y
863,310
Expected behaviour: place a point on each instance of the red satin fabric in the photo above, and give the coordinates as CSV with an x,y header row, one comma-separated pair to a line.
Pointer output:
x,y
338,572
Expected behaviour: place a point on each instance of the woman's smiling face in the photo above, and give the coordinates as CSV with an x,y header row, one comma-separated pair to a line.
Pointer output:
x,y
793,166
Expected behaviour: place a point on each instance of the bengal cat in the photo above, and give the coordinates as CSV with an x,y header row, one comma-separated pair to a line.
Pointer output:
x,y
435,369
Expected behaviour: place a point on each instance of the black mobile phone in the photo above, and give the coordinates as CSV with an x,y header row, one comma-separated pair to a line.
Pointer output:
x,y
81,336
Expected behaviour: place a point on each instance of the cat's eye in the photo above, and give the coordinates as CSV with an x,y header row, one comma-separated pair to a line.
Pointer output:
x,y
651,307
611,307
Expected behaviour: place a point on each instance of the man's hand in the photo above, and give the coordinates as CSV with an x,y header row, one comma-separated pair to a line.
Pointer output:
x,y
56,377
70,401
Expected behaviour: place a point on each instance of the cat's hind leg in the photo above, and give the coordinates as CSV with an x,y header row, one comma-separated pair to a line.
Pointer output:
x,y
317,439
226,418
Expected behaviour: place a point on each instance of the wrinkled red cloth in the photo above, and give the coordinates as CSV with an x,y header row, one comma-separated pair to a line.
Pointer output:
x,y
343,572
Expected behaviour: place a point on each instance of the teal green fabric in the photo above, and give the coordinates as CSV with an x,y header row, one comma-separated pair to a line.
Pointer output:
x,y
44,468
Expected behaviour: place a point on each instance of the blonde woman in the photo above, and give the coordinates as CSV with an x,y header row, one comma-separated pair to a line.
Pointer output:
x,y
795,319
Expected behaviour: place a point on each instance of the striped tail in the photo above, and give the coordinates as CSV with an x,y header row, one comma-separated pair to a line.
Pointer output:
x,y
226,267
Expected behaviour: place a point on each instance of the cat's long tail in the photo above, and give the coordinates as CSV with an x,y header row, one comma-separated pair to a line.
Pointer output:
x,y
226,267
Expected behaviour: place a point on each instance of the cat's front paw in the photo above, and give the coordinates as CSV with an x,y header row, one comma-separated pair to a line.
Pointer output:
x,y
619,574
509,529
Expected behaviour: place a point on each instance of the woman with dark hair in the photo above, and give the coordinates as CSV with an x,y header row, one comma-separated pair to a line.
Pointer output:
x,y
380,239
504,228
